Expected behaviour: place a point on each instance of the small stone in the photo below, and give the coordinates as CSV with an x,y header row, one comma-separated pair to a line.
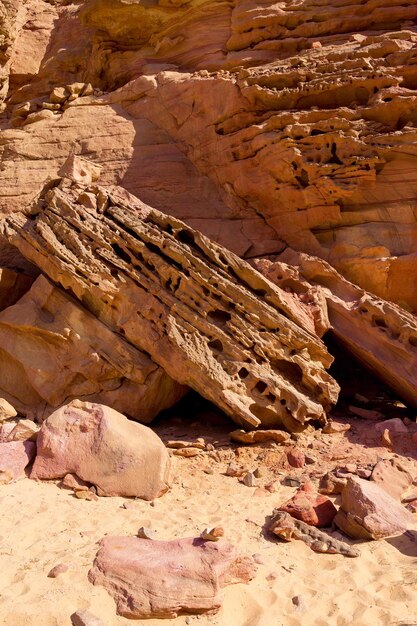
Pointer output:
x,y
386,439
351,468
249,480
187,452
88,90
271,487
49,106
208,470
128,505
71,481
333,428
25,430
58,95
210,447
331,484
310,460
395,425
21,110
85,618
259,436
366,414
85,495
316,45
57,570
363,473
259,472
296,458
212,534
290,482
299,603
39,116
6,476
7,412
234,470
75,88
146,533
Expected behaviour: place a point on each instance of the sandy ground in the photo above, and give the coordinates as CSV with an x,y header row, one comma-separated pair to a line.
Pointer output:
x,y
43,525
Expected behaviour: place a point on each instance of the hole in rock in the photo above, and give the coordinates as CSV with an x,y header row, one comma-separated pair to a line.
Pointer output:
x,y
121,253
216,344
261,386
219,317
243,373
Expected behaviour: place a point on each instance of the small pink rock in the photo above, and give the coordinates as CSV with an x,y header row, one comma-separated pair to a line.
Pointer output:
x,y
296,458
71,481
15,456
310,507
394,425
57,570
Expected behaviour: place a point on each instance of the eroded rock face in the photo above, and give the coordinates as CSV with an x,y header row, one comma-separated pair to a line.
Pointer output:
x,y
379,333
259,124
165,578
103,447
53,350
15,456
203,314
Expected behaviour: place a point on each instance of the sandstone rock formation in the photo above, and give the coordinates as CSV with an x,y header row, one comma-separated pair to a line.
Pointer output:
x,y
53,350
379,333
368,512
101,446
260,124
204,315
165,578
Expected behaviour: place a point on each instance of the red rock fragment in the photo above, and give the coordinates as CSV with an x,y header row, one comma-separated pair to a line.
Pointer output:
x,y
310,507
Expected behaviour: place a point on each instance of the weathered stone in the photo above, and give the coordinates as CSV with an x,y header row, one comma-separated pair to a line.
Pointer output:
x,y
192,305
331,484
296,458
310,507
288,528
53,350
15,456
71,481
212,534
7,411
368,512
162,579
61,568
332,428
25,430
259,436
392,476
377,332
85,618
102,447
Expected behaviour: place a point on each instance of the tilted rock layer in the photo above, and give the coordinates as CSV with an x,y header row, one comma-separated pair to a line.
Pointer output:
x,y
207,317
262,125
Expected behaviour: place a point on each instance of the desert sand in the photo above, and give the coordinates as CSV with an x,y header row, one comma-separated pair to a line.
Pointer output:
x,y
44,525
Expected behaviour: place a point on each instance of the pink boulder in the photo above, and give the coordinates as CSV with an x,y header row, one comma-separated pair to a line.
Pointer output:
x,y
165,578
310,507
15,456
369,512
103,447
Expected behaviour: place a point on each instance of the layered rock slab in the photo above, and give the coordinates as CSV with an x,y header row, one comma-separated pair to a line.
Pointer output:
x,y
203,314
103,447
165,578
53,350
379,333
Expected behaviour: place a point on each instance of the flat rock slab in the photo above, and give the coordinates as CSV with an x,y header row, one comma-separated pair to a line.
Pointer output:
x,y
369,512
205,316
15,456
166,578
103,447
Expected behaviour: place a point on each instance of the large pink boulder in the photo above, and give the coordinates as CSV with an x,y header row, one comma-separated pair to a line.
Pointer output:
x,y
165,578
103,447
310,507
369,512
15,456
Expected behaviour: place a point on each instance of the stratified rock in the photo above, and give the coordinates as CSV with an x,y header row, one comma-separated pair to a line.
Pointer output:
x,y
368,512
101,446
53,350
203,314
15,456
310,507
379,333
162,579
392,476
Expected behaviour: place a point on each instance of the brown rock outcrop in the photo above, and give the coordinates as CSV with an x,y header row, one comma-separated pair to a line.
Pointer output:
x,y
97,444
204,315
52,350
379,333
166,578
